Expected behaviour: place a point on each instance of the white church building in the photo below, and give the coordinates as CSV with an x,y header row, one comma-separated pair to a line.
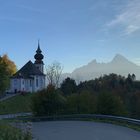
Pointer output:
x,y
31,77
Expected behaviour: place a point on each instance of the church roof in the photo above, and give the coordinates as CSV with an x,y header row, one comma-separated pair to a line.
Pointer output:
x,y
27,71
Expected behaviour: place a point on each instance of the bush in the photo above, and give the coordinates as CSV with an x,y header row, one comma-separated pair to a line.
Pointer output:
x,y
83,103
48,102
134,105
109,104
8,132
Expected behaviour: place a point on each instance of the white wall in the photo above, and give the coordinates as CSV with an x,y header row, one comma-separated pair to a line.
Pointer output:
x,y
28,85
39,83
15,84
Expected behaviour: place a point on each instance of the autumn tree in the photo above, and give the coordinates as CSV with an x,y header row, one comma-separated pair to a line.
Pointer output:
x,y
3,76
11,67
7,68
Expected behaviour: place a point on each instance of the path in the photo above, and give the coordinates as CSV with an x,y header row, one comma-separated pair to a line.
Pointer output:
x,y
7,96
82,130
14,115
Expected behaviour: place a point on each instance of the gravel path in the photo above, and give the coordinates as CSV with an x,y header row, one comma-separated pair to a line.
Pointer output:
x,y
82,130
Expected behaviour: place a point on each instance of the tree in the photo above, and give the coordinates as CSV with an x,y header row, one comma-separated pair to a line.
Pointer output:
x,y
87,103
48,102
7,68
68,86
53,73
135,104
109,104
11,67
3,76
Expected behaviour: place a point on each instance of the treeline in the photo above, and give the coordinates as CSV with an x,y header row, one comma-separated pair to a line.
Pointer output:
x,y
110,94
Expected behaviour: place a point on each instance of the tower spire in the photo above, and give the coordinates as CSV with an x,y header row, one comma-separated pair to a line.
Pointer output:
x,y
38,56
38,43
38,51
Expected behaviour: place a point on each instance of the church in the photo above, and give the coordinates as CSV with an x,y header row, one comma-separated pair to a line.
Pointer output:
x,y
31,77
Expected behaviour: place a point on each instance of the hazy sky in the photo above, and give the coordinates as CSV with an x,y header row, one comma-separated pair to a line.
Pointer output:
x,y
73,32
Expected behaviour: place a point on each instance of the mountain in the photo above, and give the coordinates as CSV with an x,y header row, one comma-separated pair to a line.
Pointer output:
x,y
119,65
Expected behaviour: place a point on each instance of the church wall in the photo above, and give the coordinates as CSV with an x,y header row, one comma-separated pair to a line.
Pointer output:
x,y
21,85
39,83
28,85
23,88
15,85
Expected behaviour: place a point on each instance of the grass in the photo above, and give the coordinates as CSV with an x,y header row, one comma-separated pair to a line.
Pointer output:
x,y
8,132
16,104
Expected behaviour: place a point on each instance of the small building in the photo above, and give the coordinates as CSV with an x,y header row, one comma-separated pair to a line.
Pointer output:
x,y
31,77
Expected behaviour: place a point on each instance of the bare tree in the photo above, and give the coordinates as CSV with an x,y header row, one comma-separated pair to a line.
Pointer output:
x,y
53,73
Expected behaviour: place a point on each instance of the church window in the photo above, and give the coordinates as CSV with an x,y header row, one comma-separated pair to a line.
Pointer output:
x,y
30,83
15,81
36,82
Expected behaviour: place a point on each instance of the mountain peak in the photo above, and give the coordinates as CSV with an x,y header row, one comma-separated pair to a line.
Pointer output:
x,y
92,62
119,65
119,58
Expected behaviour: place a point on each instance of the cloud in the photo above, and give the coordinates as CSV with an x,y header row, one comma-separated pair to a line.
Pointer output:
x,y
128,18
136,61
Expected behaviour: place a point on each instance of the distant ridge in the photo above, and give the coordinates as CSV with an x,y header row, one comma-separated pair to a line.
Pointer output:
x,y
119,65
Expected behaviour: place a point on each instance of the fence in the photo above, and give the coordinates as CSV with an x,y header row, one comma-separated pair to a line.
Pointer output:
x,y
80,117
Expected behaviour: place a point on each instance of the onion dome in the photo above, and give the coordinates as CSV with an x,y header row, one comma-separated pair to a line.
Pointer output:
x,y
38,56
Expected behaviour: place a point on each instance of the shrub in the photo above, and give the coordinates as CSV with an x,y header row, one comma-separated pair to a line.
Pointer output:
x,y
83,103
48,102
8,132
110,104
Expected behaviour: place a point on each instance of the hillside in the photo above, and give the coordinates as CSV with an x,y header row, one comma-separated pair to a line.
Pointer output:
x,y
16,104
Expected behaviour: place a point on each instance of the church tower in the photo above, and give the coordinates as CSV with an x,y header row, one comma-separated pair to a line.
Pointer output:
x,y
38,59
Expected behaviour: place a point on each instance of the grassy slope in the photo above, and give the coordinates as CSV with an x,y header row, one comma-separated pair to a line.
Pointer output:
x,y
16,104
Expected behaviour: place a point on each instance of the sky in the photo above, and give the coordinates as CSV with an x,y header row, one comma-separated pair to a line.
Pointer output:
x,y
72,32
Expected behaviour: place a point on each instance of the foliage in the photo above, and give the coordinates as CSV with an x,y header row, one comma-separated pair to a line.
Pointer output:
x,y
84,103
7,68
135,104
11,67
48,102
109,104
68,86
3,77
8,132
110,94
